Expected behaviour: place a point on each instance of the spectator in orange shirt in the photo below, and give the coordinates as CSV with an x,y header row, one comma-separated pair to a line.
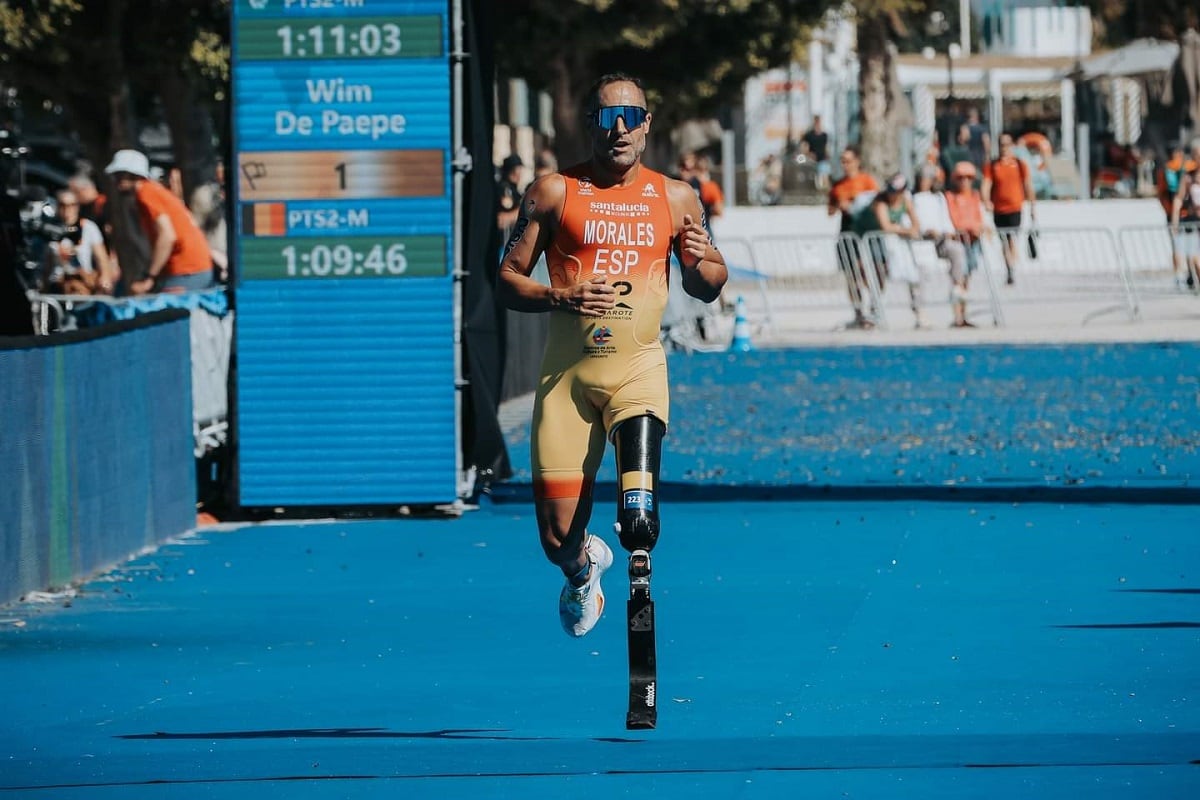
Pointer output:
x,y
850,195
180,260
1007,185
696,170
965,205
853,191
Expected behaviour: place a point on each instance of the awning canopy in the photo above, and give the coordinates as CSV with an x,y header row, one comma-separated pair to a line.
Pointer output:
x,y
1017,90
1139,57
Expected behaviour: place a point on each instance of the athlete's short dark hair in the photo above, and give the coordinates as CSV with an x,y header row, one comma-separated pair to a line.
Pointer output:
x,y
592,99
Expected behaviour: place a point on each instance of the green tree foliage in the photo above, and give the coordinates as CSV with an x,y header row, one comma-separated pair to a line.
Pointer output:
x,y
102,61
697,54
1117,22
694,55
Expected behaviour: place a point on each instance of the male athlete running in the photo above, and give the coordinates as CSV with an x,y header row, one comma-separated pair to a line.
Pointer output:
x,y
607,227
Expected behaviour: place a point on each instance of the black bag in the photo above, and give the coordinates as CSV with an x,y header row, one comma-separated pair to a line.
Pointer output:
x,y
1033,247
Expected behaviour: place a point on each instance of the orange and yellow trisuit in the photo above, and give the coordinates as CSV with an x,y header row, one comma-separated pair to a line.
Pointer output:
x,y
600,371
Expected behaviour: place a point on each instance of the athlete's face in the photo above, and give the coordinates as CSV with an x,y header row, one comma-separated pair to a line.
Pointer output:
x,y
621,146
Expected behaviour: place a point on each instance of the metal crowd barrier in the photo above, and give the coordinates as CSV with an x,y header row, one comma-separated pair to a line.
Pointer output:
x,y
1075,268
782,277
1084,272
55,312
915,275
1157,258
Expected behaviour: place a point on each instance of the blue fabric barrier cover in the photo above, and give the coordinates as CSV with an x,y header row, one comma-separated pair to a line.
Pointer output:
x,y
214,301
95,448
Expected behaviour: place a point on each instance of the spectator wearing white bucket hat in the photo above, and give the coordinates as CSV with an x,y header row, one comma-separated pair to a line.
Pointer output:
x,y
180,259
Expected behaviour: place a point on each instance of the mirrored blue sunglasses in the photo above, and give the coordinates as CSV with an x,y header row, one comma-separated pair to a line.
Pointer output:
x,y
606,116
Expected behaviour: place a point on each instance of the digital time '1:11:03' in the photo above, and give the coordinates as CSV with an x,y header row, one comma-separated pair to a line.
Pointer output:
x,y
342,259
368,40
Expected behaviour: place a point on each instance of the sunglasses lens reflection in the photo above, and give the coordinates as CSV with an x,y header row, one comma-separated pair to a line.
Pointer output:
x,y
607,116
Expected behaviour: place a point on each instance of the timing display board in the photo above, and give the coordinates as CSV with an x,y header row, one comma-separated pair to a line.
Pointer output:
x,y
346,377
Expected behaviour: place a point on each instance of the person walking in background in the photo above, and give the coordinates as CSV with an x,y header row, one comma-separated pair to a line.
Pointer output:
x,y
816,147
1007,186
849,195
933,211
892,212
979,140
180,260
608,227
957,150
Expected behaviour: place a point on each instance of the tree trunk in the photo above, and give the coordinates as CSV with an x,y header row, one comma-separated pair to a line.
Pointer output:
x,y
569,143
191,127
880,136
133,251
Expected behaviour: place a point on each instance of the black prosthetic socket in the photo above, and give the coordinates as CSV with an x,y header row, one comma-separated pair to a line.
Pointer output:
x,y
639,453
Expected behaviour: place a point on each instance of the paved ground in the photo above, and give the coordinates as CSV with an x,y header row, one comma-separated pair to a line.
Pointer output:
x,y
886,572
826,649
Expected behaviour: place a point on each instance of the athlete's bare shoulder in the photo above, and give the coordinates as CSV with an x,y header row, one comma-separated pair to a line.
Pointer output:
x,y
682,197
677,187
545,195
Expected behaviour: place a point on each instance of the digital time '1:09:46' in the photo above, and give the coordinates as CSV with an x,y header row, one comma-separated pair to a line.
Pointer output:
x,y
368,39
342,259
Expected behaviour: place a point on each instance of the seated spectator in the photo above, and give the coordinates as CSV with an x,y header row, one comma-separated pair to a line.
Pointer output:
x,y
79,260
936,226
180,260
965,204
892,211
769,179
94,206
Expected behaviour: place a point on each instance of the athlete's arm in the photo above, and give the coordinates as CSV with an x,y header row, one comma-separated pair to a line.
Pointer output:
x,y
541,208
704,271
